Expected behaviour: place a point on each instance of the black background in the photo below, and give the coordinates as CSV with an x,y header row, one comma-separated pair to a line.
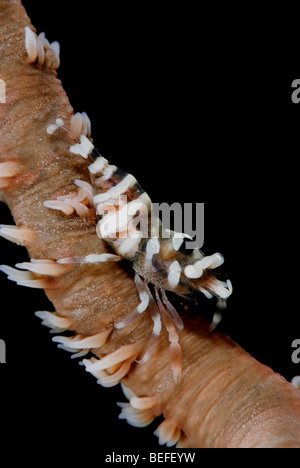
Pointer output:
x,y
196,117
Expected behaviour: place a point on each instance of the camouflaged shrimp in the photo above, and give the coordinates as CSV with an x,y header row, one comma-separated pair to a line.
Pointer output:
x,y
158,255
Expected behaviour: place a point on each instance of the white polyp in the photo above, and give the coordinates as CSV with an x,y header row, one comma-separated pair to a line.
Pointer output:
x,y
65,342
76,124
14,274
86,342
174,274
50,59
78,352
175,438
81,124
86,186
69,196
79,207
43,267
296,381
44,40
55,46
9,169
98,165
88,124
59,205
143,403
110,380
165,431
116,357
74,201
16,234
25,278
84,148
140,419
53,321
111,376
48,54
77,197
138,412
135,417
41,51
89,362
31,44
34,283
152,248
84,128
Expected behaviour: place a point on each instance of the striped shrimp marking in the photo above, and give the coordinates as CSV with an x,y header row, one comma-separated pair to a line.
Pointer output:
x,y
158,256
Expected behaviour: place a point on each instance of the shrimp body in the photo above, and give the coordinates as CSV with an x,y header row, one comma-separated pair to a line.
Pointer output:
x,y
158,256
